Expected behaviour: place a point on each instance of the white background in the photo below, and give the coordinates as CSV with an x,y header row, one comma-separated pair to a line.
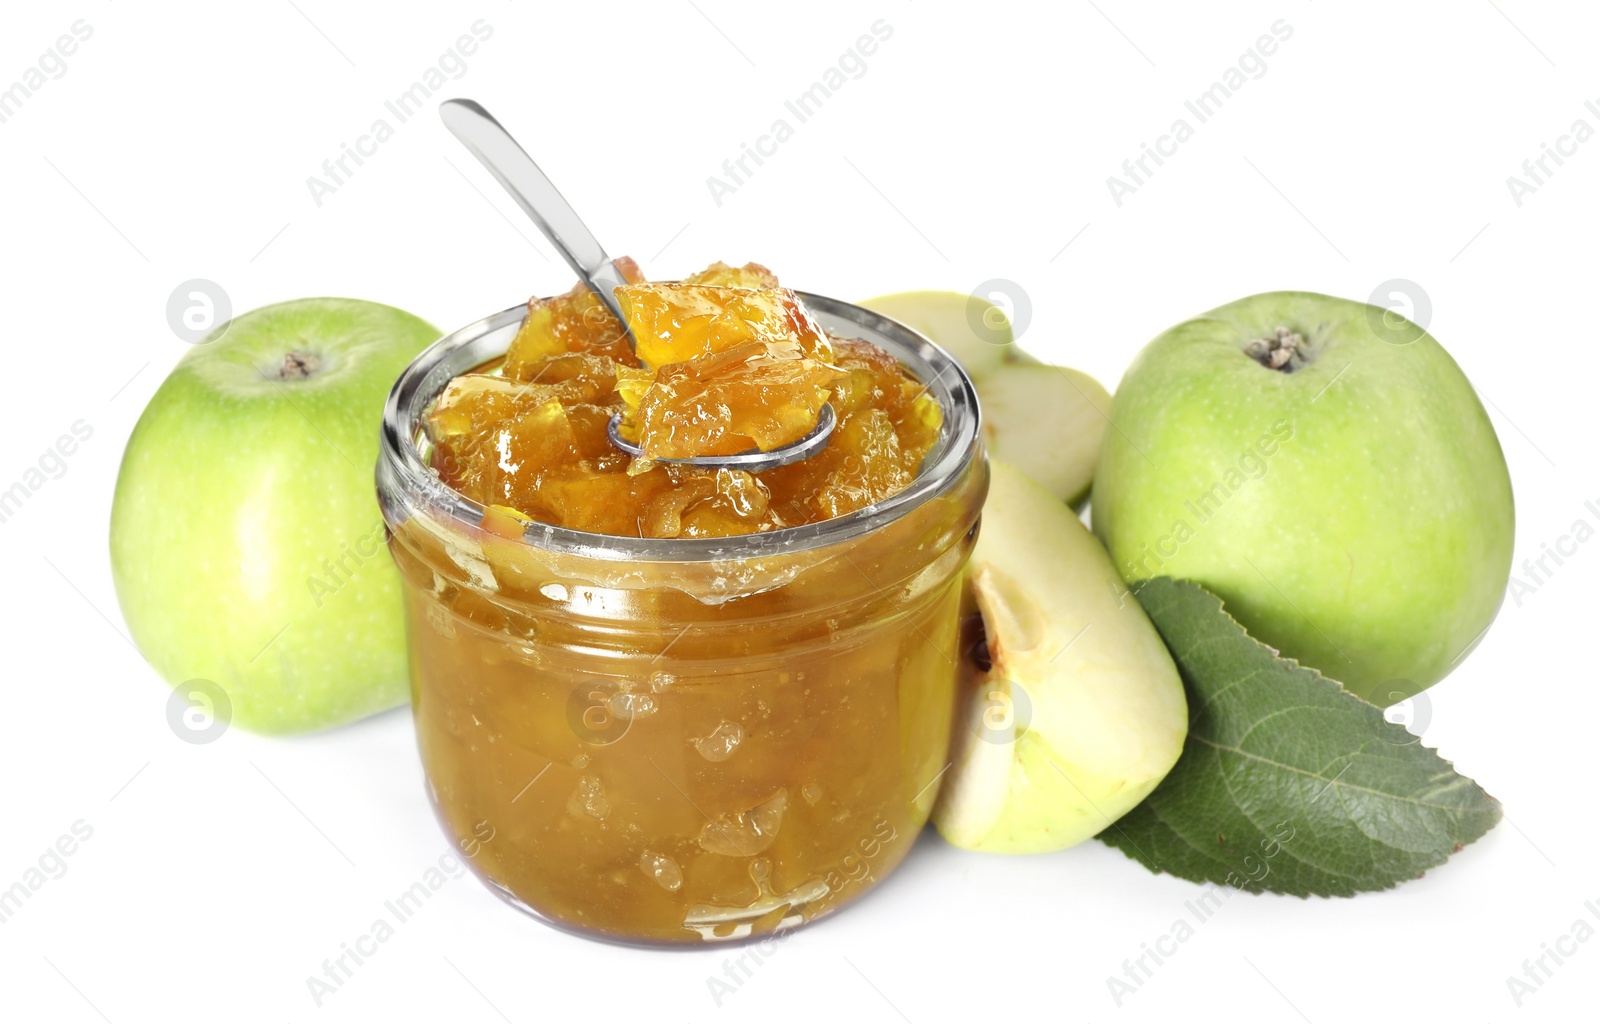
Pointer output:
x,y
976,146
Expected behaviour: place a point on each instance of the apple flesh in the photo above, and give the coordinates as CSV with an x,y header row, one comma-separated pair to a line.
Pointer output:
x,y
973,330
1076,711
1324,467
246,544
1048,421
1045,420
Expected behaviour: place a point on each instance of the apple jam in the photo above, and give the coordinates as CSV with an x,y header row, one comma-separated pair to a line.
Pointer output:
x,y
732,362
692,732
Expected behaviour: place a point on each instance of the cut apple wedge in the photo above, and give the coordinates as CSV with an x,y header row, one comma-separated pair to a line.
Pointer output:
x,y
974,330
1047,421
1079,712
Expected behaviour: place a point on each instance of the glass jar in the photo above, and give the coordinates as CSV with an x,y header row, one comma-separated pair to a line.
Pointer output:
x,y
679,741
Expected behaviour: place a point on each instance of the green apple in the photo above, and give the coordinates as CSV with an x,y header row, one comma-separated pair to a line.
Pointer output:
x,y
246,543
1076,710
1325,468
1047,421
974,330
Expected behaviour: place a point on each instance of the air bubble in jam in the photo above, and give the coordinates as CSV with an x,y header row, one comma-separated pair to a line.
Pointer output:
x,y
660,681
632,705
662,870
811,792
589,798
723,741
746,833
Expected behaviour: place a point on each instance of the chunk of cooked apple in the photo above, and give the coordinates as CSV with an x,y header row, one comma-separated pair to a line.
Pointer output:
x,y
674,323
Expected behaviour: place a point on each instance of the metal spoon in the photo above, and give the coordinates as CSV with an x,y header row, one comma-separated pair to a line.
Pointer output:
x,y
516,172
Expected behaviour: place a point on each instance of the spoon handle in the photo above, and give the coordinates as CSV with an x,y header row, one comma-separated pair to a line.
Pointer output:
x,y
516,172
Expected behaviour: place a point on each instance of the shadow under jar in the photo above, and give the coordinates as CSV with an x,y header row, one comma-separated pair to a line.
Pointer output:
x,y
670,741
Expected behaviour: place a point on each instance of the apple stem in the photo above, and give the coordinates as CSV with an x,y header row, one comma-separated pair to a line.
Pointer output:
x,y
299,366
1283,350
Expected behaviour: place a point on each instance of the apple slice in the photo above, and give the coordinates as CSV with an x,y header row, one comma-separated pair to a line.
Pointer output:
x,y
1047,421
974,330
1080,711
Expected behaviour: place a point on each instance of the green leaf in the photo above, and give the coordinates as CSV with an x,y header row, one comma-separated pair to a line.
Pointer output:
x,y
1288,783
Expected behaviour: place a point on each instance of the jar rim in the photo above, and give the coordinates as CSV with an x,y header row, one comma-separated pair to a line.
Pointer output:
x,y
408,486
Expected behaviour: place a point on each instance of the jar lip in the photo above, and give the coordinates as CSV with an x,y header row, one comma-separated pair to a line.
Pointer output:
x,y
408,486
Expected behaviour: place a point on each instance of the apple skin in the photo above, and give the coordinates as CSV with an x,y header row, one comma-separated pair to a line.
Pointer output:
x,y
247,547
1364,522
